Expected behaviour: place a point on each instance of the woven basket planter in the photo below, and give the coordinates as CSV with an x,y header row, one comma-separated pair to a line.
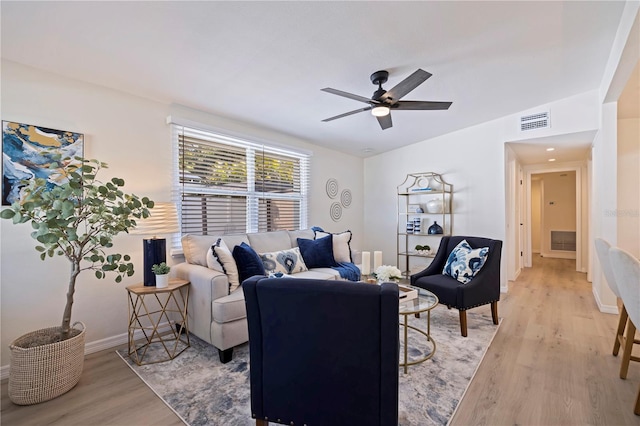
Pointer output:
x,y
44,372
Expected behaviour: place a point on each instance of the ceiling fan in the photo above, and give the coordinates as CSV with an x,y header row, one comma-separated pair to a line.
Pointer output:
x,y
383,101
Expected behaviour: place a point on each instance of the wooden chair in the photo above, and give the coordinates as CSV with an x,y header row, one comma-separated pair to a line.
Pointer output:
x,y
626,269
602,249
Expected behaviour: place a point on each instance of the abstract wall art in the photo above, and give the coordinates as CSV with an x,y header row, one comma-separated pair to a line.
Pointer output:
x,y
27,153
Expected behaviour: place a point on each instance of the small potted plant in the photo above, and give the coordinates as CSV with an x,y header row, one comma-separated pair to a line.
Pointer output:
x,y
424,250
162,274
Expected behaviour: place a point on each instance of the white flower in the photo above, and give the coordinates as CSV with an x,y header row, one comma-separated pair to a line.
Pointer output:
x,y
386,273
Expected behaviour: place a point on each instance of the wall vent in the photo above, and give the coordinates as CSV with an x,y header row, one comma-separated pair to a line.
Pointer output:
x,y
563,240
535,121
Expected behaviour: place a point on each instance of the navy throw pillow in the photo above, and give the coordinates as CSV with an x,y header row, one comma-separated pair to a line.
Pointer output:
x,y
317,253
248,261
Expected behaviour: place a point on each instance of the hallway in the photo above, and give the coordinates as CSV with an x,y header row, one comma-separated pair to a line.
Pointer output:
x,y
550,362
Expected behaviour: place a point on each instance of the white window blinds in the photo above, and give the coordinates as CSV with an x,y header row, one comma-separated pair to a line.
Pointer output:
x,y
226,185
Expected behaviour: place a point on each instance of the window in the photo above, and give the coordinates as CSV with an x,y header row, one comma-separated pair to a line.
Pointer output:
x,y
226,185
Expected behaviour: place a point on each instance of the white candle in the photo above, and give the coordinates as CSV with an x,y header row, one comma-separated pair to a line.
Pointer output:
x,y
366,263
377,259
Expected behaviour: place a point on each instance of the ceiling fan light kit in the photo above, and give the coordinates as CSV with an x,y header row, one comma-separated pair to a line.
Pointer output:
x,y
382,101
380,111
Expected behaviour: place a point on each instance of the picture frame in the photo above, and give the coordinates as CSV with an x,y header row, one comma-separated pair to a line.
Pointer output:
x,y
27,152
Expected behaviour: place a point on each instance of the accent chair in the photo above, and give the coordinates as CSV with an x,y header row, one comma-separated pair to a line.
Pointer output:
x,y
322,352
482,288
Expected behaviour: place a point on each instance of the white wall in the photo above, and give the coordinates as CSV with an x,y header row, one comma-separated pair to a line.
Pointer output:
x,y
473,160
536,209
129,133
628,209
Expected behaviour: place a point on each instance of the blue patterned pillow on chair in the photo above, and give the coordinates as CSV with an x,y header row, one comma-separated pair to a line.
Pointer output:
x,y
464,262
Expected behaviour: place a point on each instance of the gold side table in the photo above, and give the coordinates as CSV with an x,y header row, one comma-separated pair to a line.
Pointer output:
x,y
152,317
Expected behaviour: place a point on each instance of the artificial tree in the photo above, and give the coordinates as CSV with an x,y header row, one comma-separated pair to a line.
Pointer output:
x,y
78,219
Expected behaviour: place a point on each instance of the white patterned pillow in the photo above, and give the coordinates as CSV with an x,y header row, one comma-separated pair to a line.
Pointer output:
x,y
341,245
286,261
224,256
464,262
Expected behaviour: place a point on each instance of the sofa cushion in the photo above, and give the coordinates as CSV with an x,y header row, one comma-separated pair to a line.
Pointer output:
x,y
235,240
229,308
464,262
300,233
319,273
247,261
317,253
224,256
341,245
195,248
285,261
265,242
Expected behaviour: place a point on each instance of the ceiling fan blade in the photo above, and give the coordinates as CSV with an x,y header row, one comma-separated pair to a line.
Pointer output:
x,y
347,114
346,95
385,121
422,105
406,85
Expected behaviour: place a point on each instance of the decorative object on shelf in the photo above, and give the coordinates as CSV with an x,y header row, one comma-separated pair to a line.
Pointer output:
x,y
423,250
28,151
161,271
332,188
419,210
410,227
386,273
162,220
416,225
435,206
335,212
435,229
77,219
346,198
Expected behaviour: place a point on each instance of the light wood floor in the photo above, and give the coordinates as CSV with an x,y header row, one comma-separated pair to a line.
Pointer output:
x,y
549,364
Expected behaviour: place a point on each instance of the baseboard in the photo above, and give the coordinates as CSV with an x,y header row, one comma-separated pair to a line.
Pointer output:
x,y
559,254
607,309
100,345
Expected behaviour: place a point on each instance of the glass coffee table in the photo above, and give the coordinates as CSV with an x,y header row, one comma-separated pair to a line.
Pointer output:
x,y
425,302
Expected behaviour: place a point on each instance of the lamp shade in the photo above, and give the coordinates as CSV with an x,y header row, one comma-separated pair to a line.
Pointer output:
x,y
163,219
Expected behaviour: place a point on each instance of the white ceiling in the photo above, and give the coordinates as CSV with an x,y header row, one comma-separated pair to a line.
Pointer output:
x,y
265,62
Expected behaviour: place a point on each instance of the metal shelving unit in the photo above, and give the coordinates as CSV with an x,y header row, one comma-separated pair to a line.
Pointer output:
x,y
418,192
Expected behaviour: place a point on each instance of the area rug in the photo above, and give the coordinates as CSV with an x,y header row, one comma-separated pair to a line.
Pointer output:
x,y
203,391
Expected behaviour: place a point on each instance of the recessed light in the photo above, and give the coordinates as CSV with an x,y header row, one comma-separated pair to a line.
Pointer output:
x,y
552,159
551,149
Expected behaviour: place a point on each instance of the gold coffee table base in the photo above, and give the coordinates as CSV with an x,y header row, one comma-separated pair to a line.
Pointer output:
x,y
425,302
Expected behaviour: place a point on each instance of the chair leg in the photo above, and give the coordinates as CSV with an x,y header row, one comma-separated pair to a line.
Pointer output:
x,y
494,312
261,422
636,411
622,322
628,345
463,323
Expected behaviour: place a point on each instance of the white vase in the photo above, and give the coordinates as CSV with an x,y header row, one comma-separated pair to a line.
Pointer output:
x,y
435,206
162,281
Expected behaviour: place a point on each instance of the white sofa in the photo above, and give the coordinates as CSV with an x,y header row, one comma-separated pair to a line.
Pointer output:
x,y
215,315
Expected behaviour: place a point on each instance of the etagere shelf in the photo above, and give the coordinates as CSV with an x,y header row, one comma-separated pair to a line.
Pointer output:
x,y
424,199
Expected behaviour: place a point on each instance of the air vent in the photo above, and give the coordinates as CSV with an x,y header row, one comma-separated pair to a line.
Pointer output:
x,y
563,240
535,121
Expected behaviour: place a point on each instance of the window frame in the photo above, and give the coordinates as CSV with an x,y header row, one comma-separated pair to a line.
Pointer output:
x,y
254,197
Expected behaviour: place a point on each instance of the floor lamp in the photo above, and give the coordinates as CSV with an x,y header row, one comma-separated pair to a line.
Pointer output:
x,y
163,219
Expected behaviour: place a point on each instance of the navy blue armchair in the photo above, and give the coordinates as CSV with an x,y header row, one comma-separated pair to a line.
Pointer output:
x,y
484,287
322,352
